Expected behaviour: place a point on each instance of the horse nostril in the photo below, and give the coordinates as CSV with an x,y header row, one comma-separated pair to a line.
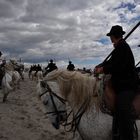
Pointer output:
x,y
62,117
56,125
45,102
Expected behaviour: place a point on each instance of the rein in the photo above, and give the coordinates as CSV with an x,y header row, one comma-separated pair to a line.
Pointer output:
x,y
51,93
76,118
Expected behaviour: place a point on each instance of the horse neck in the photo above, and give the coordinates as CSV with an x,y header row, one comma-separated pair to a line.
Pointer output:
x,y
80,96
10,72
88,103
85,104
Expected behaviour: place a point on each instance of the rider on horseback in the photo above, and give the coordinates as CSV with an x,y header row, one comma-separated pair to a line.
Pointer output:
x,y
121,66
50,67
38,68
71,66
2,63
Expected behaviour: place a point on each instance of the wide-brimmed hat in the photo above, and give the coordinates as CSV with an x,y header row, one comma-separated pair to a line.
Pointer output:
x,y
116,30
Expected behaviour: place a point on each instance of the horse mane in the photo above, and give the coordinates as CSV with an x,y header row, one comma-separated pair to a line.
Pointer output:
x,y
78,86
9,67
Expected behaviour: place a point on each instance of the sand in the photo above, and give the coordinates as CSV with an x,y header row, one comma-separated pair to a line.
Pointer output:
x,y
22,117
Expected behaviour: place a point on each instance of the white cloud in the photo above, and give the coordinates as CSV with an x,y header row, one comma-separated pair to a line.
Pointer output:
x,y
62,29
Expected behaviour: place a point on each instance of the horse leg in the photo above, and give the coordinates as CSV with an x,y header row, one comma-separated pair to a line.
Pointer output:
x,y
115,130
18,84
22,77
135,131
29,75
5,97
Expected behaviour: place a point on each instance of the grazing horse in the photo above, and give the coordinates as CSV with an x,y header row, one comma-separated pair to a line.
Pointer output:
x,y
10,80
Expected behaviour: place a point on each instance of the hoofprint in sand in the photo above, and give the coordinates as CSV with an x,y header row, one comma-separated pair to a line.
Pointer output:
x,y
22,117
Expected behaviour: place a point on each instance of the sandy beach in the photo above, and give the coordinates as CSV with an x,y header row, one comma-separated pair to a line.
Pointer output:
x,y
22,117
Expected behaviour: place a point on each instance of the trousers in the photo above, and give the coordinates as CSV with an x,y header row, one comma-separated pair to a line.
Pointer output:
x,y
123,122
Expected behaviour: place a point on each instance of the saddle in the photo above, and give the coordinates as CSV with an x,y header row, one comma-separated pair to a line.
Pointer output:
x,y
109,97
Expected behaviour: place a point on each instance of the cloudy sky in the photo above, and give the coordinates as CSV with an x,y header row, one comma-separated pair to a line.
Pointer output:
x,y
63,30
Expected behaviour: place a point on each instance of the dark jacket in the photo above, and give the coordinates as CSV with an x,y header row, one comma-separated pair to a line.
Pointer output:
x,y
70,67
121,66
51,66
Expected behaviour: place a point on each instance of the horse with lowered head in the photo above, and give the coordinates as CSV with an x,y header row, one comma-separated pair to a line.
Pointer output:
x,y
81,93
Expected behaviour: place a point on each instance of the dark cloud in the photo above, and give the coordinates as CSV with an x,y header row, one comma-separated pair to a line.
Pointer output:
x,y
11,8
38,30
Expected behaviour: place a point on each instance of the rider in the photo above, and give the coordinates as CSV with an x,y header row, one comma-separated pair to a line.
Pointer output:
x,y
38,68
121,66
2,63
50,67
71,66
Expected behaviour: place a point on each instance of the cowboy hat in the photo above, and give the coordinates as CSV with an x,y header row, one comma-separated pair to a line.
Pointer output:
x,y
116,30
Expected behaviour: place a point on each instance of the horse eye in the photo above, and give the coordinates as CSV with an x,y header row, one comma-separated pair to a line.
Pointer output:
x,y
43,84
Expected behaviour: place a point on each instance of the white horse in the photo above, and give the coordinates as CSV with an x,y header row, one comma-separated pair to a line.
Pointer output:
x,y
39,75
18,67
81,93
10,80
32,75
36,75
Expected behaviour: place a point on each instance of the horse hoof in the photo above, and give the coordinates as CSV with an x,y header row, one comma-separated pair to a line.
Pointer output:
x,y
4,100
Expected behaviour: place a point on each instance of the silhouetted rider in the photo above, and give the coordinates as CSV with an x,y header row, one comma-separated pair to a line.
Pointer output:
x,y
50,67
70,66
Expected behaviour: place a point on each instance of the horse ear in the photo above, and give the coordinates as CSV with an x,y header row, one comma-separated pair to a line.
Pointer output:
x,y
43,84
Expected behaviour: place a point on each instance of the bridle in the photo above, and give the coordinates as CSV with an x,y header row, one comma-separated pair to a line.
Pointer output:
x,y
52,95
73,124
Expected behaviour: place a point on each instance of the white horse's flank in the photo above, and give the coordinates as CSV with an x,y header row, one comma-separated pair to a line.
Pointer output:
x,y
77,89
10,81
39,75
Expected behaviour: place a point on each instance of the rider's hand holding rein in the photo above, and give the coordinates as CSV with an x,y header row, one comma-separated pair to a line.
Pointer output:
x,y
98,70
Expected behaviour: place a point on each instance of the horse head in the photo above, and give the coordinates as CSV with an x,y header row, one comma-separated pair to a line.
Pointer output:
x,y
55,105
